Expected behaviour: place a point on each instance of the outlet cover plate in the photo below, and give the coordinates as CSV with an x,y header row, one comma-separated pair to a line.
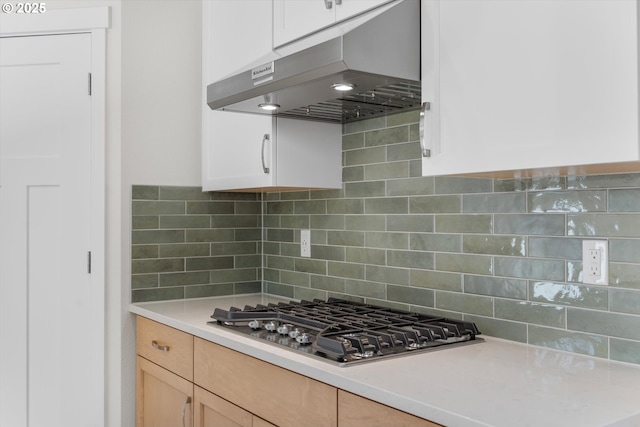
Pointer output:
x,y
305,243
595,262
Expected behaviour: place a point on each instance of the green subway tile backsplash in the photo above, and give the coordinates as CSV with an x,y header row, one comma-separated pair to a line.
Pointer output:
x,y
505,254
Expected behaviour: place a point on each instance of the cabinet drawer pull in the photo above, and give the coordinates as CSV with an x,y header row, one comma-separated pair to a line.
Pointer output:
x,y
157,346
328,4
184,408
265,138
424,146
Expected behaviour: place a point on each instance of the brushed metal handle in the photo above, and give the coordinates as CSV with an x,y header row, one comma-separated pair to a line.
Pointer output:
x,y
338,2
157,346
424,146
265,138
187,400
328,4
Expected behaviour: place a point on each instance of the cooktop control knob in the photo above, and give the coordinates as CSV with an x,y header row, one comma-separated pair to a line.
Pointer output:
x,y
271,326
294,333
284,329
255,324
304,338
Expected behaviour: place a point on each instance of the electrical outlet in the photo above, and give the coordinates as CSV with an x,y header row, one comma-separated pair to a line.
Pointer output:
x,y
305,243
595,262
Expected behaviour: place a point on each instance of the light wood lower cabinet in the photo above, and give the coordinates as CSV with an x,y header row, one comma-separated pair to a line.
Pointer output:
x,y
183,380
162,397
277,395
356,411
213,411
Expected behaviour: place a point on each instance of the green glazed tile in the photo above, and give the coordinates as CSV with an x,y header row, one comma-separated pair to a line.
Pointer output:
x,y
494,245
417,223
365,156
352,173
353,141
561,339
157,236
249,234
627,200
145,192
235,248
605,225
624,250
184,278
185,221
388,170
326,283
326,194
410,259
202,291
555,247
625,301
141,281
410,187
530,224
162,265
310,207
529,312
435,204
436,280
295,221
145,222
406,117
435,242
494,203
389,135
472,264
157,208
309,294
363,125
364,189
624,350
603,323
458,185
604,181
327,222
275,235
386,205
415,296
365,288
389,240
568,201
233,275
295,195
624,275
406,151
345,238
144,251
530,268
279,208
311,266
183,250
499,328
585,296
225,208
248,208
209,263
332,253
247,288
365,222
345,269
366,256
396,276
279,289
212,235
345,206
464,303
161,294
294,278
496,286
248,261
235,221
468,223
183,193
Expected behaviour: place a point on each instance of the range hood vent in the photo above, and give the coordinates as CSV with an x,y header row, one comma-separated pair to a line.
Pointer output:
x,y
378,53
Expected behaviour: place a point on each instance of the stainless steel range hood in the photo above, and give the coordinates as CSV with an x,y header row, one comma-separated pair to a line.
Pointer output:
x,y
378,53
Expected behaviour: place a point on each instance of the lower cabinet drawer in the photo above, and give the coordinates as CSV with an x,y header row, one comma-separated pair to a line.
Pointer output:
x,y
166,346
277,395
356,411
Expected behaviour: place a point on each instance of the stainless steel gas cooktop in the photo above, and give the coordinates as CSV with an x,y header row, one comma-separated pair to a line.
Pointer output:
x,y
346,332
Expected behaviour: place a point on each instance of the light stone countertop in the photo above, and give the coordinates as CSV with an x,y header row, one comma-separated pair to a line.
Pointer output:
x,y
494,383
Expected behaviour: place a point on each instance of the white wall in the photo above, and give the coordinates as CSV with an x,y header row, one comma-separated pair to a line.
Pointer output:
x,y
153,138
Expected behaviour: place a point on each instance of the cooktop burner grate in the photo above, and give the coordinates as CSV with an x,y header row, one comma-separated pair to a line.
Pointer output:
x,y
346,332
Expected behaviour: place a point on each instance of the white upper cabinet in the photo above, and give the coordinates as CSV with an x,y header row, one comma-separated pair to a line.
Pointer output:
x,y
293,19
522,88
256,152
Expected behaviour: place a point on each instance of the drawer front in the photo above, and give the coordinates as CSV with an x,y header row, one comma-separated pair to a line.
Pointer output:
x,y
277,395
165,346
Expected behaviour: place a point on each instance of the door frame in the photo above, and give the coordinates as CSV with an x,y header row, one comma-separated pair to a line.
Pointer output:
x,y
96,21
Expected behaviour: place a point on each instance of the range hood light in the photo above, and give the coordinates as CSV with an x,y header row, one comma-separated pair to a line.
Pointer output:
x,y
343,87
268,106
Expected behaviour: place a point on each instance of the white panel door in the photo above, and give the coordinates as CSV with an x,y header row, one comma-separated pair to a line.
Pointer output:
x,y
51,371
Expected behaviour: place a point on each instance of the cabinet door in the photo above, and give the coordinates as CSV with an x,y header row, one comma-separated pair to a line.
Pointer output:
x,y
293,19
356,411
213,411
232,142
529,84
163,399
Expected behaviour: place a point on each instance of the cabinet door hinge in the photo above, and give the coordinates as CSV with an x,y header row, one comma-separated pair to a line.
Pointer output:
x,y
89,81
89,262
